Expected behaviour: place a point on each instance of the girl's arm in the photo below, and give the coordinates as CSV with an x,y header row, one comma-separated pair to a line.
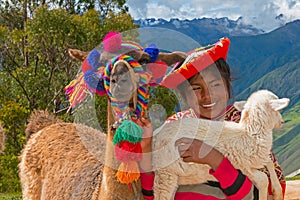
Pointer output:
x,y
233,183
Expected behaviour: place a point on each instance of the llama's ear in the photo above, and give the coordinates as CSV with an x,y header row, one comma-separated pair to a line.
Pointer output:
x,y
171,58
140,56
279,104
77,54
239,105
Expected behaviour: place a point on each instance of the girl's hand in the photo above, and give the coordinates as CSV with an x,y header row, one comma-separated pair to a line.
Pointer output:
x,y
192,150
146,143
147,134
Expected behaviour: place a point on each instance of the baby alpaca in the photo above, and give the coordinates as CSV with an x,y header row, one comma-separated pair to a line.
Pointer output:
x,y
246,144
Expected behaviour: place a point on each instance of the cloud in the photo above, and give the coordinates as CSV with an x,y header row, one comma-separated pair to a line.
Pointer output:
x,y
261,14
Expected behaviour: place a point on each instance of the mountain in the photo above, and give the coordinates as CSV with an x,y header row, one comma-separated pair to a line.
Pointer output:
x,y
258,61
204,30
252,57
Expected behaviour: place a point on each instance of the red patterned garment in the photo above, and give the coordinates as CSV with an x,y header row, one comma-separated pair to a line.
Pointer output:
x,y
232,114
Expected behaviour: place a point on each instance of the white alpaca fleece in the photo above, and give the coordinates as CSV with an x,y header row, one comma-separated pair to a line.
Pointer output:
x,y
246,144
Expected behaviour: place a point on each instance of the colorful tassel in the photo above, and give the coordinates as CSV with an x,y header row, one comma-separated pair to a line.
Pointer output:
x,y
128,172
127,151
128,131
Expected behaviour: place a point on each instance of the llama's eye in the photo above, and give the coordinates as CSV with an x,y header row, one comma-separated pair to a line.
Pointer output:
x,y
113,81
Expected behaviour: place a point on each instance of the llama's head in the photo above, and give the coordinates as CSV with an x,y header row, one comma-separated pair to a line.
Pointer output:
x,y
262,109
123,80
94,63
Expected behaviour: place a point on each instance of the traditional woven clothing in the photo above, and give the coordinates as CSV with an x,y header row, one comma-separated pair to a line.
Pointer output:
x,y
214,191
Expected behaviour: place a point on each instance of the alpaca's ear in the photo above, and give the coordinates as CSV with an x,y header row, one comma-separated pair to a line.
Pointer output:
x,y
279,104
239,105
77,54
140,56
171,58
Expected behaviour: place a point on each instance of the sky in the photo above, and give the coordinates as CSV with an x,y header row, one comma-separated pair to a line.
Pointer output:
x,y
264,14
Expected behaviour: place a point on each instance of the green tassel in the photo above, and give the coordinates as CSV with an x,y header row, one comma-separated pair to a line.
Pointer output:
x,y
128,131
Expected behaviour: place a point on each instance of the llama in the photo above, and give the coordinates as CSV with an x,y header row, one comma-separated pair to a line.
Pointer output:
x,y
66,160
60,160
246,144
2,139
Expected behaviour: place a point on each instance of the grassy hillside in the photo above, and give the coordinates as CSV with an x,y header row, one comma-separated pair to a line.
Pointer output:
x,y
284,82
287,141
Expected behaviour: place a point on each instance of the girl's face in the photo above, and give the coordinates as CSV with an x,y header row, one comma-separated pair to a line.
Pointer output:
x,y
207,94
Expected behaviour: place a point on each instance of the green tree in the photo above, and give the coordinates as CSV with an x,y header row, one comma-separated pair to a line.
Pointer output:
x,y
35,65
13,118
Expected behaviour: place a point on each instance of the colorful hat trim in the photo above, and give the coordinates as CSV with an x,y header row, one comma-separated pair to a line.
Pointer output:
x,y
197,60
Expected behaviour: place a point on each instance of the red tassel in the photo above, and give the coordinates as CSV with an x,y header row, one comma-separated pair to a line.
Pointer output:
x,y
128,151
85,66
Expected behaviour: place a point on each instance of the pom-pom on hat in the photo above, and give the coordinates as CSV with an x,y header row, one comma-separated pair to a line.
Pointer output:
x,y
112,41
197,60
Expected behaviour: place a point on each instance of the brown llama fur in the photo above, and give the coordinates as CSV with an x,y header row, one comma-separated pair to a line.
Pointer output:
x,y
38,120
66,160
62,160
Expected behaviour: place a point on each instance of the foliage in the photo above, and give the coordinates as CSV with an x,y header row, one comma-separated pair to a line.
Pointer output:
x,y
11,196
164,97
35,66
13,118
9,173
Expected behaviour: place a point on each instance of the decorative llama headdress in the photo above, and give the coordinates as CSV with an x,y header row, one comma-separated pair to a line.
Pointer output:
x,y
95,78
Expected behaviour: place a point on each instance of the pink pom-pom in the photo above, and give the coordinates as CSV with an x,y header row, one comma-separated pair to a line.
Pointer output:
x,y
112,41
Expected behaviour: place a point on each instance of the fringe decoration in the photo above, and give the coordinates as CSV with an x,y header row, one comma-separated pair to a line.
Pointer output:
x,y
89,80
76,91
128,150
128,131
128,172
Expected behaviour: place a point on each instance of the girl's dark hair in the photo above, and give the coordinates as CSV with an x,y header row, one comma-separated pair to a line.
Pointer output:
x,y
225,72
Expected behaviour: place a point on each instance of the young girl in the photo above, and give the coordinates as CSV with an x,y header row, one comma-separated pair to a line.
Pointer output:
x,y
204,82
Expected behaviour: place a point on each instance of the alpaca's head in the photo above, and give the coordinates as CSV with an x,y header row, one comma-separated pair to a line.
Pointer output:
x,y
262,108
123,81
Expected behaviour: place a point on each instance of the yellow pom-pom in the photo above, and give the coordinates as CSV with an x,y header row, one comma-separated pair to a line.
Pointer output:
x,y
128,172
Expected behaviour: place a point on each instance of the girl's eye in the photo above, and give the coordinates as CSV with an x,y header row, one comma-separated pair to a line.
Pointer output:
x,y
216,85
196,88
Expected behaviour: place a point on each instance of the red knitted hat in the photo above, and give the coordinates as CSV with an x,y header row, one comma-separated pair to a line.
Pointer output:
x,y
196,61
